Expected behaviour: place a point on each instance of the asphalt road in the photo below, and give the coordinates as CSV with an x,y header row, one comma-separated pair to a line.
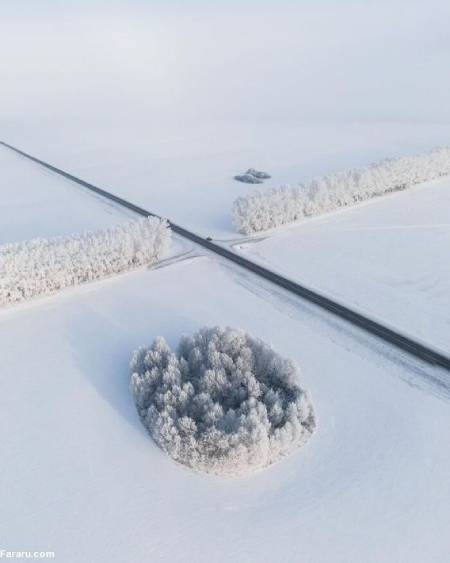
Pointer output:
x,y
405,343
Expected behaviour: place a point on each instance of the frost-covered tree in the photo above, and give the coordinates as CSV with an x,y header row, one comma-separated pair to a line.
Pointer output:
x,y
252,176
248,179
260,211
224,403
258,173
43,266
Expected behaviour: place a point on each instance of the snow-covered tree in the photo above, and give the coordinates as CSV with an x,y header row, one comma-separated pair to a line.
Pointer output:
x,y
43,266
260,211
224,403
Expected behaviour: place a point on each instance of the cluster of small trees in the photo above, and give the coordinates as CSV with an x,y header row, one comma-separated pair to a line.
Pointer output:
x,y
260,211
224,403
43,266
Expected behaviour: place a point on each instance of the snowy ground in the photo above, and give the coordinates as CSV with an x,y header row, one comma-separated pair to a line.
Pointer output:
x,y
185,172
35,202
389,258
81,477
163,104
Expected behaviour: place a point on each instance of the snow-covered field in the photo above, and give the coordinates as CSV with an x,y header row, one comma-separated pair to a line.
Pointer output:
x,y
80,475
164,103
185,173
35,202
389,258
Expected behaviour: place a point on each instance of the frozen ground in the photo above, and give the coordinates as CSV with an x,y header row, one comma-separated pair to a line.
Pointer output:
x,y
81,477
185,172
389,258
37,203
164,104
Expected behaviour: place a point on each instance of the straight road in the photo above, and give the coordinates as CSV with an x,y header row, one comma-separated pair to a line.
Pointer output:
x,y
393,337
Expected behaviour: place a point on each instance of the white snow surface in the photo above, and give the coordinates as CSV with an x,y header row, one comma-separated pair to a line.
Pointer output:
x,y
163,105
389,258
80,475
185,172
35,202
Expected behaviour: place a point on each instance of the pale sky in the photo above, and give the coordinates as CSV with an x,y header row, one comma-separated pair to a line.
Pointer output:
x,y
326,60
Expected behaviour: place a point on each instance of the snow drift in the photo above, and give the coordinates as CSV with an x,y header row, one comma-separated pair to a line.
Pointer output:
x,y
225,403
43,266
265,210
